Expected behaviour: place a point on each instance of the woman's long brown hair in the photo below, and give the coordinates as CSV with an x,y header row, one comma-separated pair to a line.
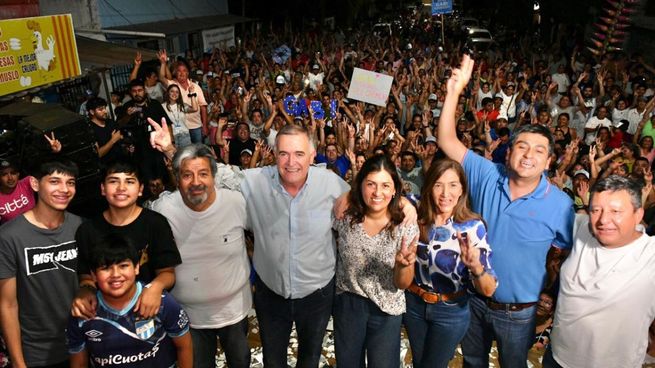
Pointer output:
x,y
427,210
357,209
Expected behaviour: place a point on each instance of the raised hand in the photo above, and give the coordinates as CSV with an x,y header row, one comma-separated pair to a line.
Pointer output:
x,y
599,144
351,156
426,117
592,153
55,145
138,59
469,254
494,144
558,178
163,57
460,76
406,255
222,122
160,138
259,145
267,153
420,151
351,130
582,189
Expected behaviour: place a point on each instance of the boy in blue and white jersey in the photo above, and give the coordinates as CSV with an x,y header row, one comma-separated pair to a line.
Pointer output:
x,y
117,336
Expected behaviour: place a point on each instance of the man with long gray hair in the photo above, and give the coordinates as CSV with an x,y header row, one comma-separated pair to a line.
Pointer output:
x,y
606,302
212,282
289,211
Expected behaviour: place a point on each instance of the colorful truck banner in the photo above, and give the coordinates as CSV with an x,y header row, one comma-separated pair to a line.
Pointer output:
x,y
36,51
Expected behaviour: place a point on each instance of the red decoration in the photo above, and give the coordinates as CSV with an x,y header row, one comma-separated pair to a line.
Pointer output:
x,y
611,27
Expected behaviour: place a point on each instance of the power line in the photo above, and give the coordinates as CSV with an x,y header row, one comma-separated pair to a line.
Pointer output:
x,y
117,11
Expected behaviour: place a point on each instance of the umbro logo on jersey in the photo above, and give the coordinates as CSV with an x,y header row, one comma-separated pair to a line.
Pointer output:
x,y
93,333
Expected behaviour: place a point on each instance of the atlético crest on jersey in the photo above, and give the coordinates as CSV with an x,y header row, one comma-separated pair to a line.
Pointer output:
x,y
145,329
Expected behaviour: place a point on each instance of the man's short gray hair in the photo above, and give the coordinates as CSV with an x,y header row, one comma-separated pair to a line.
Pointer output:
x,y
615,183
292,129
196,150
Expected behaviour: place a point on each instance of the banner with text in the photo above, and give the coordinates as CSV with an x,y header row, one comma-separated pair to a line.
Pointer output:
x,y
370,87
442,7
36,51
221,38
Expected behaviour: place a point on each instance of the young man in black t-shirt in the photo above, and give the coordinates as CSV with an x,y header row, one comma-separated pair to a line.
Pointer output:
x,y
148,230
106,131
133,118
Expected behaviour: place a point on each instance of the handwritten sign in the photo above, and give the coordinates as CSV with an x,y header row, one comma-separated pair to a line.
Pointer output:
x,y
36,51
221,38
370,87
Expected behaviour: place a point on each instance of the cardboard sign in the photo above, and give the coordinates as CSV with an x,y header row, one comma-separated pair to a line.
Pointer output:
x,y
36,51
221,38
370,87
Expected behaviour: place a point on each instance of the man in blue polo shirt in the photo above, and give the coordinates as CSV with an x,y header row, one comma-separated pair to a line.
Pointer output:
x,y
332,158
525,214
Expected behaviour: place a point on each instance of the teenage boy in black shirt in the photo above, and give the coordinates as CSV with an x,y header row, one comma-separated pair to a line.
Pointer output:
x,y
148,230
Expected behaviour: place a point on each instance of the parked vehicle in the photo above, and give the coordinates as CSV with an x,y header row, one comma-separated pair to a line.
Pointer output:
x,y
479,38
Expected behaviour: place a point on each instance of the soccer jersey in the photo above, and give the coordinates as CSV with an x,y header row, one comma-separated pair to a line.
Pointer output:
x,y
120,338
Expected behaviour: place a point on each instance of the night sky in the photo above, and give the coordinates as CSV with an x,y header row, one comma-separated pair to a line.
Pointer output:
x,y
515,13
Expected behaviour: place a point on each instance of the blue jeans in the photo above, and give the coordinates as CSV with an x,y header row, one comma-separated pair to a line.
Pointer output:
x,y
234,341
434,330
513,331
361,328
182,140
276,316
196,135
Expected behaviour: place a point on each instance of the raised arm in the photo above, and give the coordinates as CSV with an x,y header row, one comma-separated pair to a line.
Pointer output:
x,y
222,122
163,67
649,108
447,137
194,99
137,65
269,121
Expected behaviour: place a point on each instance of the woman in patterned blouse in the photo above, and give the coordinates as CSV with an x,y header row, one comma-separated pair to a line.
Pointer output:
x,y
375,262
452,255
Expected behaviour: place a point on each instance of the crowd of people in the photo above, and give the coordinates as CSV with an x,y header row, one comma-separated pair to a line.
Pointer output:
x,y
500,195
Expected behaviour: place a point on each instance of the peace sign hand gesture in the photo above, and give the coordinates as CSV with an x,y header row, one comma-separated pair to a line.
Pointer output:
x,y
55,145
406,255
160,138
469,254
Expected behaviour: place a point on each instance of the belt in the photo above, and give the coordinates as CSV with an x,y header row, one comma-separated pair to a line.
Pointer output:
x,y
432,297
508,306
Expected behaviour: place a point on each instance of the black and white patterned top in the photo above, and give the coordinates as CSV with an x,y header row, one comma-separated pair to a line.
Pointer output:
x,y
365,263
